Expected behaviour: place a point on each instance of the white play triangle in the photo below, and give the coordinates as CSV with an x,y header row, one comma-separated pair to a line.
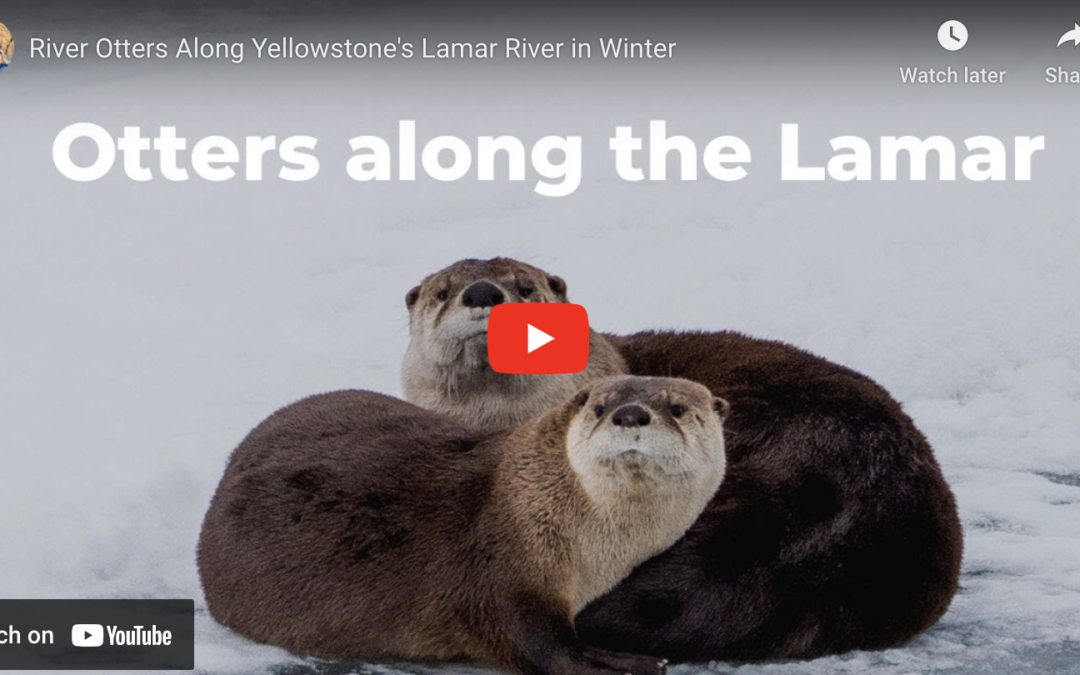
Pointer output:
x,y
537,338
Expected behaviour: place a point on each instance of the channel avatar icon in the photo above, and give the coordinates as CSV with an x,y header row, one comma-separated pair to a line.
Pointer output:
x,y
7,46
538,338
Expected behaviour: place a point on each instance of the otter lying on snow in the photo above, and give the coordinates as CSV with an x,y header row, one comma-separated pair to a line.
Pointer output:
x,y
834,530
356,525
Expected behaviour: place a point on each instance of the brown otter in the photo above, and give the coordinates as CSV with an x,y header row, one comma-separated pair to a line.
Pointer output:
x,y
446,365
835,529
355,525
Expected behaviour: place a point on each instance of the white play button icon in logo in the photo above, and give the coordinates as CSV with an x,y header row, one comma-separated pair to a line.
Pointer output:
x,y
87,635
537,338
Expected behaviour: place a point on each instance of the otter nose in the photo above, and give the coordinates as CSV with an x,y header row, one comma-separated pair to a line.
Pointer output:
x,y
482,294
630,416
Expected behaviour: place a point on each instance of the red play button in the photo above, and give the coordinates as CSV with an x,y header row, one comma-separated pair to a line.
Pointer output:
x,y
538,338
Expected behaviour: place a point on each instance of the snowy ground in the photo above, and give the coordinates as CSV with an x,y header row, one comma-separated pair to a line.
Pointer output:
x,y
147,327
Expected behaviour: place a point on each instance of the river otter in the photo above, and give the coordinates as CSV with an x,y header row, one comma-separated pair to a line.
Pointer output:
x,y
354,525
835,529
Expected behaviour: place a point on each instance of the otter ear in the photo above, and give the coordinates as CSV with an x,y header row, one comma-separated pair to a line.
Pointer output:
x,y
558,286
411,297
581,398
722,408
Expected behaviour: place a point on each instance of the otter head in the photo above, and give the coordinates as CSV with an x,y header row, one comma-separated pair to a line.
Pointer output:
x,y
448,311
446,365
647,434
648,454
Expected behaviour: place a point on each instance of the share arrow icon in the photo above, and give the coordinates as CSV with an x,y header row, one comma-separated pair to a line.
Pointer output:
x,y
1072,35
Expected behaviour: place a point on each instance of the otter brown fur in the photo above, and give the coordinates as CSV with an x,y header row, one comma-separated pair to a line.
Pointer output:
x,y
355,525
446,366
835,529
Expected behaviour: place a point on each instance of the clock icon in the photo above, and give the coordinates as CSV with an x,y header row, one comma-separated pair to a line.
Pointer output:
x,y
952,35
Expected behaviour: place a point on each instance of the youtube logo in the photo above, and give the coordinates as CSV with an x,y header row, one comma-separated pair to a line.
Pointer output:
x,y
538,338
87,635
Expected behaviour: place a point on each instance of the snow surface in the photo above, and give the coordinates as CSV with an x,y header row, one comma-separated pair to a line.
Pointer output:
x,y
145,328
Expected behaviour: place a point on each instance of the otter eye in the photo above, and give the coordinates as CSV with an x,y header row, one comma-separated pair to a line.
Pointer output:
x,y
525,291
442,295
599,410
678,411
